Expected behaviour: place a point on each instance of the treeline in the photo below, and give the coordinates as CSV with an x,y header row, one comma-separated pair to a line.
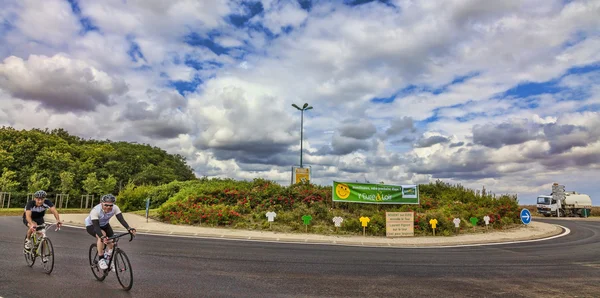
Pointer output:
x,y
58,162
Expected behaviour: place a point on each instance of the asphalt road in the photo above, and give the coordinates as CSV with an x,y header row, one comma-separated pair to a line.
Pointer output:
x,y
186,267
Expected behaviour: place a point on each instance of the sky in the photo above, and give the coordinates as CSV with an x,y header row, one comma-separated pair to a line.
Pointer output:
x,y
497,94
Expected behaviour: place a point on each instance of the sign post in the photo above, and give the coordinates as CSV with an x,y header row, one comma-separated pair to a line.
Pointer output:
x,y
487,221
147,208
525,216
399,224
302,175
364,221
456,222
337,222
433,222
474,221
306,219
558,194
271,217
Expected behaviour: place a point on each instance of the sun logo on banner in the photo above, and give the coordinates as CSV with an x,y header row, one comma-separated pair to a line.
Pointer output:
x,y
342,191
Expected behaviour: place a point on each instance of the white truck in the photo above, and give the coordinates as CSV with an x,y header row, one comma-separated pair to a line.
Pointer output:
x,y
564,203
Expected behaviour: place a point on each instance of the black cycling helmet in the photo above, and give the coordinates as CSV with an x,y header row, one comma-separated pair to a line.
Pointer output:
x,y
109,198
40,194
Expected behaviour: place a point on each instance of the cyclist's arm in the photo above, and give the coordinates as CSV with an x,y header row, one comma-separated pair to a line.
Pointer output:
x,y
97,229
95,217
122,220
28,217
120,217
55,212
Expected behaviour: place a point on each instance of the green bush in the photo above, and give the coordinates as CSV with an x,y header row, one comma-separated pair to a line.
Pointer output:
x,y
133,197
252,199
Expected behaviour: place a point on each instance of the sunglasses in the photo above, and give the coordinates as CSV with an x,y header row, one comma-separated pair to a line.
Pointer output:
x,y
108,205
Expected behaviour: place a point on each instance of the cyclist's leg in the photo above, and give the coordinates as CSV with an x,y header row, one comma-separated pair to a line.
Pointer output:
x,y
109,233
38,221
99,243
29,232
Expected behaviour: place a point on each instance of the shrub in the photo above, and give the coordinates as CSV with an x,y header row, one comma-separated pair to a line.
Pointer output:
x,y
197,202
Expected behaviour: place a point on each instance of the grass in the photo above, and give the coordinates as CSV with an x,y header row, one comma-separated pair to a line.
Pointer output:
x,y
152,213
19,211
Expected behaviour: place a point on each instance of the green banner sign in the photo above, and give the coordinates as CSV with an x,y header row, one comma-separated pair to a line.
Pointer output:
x,y
375,193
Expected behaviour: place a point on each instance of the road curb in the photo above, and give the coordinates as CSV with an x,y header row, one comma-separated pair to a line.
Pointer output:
x,y
341,241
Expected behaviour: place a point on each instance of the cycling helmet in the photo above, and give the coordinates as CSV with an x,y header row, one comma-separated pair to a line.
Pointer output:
x,y
39,194
109,198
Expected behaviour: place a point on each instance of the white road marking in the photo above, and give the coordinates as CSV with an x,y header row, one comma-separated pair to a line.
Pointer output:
x,y
334,243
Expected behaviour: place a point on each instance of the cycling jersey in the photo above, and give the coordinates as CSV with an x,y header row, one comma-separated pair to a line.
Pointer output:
x,y
103,218
37,212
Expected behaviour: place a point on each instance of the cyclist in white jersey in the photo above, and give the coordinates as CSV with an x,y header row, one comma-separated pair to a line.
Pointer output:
x,y
97,224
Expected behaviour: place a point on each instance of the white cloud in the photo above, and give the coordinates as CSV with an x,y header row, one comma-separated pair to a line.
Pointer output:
x,y
59,83
239,123
51,22
282,15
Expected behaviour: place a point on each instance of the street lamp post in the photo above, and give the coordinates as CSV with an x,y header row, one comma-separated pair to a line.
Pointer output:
x,y
304,108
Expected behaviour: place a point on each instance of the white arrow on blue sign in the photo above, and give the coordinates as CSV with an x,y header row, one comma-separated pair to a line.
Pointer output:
x,y
525,216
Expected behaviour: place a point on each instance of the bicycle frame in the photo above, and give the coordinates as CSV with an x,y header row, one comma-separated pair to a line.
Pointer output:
x,y
114,240
38,236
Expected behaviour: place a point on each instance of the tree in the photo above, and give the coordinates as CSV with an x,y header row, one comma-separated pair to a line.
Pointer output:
x,y
91,184
108,184
49,153
7,182
66,181
6,158
37,182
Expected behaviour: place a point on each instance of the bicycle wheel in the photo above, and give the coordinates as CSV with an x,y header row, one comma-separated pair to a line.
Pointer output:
x,y
98,273
29,255
47,255
123,269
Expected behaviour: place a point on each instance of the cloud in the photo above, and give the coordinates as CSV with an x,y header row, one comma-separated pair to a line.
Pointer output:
x,y
163,115
283,15
360,129
344,145
493,136
401,124
556,146
430,141
498,94
234,120
59,83
51,22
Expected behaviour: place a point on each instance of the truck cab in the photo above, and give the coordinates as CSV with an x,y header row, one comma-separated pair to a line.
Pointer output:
x,y
546,205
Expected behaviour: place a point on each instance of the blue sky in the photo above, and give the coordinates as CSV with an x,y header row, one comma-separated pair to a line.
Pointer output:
x,y
503,95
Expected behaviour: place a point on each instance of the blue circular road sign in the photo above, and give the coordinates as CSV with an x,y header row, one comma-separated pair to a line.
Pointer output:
x,y
525,216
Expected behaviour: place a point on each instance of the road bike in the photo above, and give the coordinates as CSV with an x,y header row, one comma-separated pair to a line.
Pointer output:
x,y
41,246
121,265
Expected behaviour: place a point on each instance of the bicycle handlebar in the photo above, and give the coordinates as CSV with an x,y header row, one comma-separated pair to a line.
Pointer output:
x,y
46,227
115,237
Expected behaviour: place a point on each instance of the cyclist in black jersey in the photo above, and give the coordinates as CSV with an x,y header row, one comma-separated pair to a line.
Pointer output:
x,y
34,214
